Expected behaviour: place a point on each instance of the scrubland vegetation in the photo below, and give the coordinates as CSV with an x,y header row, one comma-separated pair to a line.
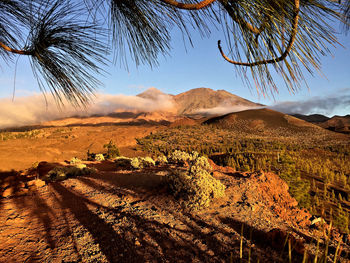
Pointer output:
x,y
317,171
4,136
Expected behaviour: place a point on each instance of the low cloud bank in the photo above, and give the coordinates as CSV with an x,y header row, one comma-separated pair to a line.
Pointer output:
x,y
225,109
35,109
328,105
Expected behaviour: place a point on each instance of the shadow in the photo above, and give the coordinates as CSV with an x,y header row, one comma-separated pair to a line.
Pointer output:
x,y
112,245
12,183
40,210
146,179
156,241
137,122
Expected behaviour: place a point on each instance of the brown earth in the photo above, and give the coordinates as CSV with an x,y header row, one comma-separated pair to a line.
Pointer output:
x,y
270,123
118,215
62,143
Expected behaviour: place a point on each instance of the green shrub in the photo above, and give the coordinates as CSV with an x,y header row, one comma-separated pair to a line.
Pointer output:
x,y
74,161
146,162
201,163
161,159
142,162
195,190
99,157
181,157
112,150
195,186
122,161
62,173
80,165
135,163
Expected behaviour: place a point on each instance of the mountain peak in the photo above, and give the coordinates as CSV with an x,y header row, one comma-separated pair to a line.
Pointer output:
x,y
151,93
199,99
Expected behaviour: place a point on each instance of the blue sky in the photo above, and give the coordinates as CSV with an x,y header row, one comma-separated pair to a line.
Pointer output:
x,y
202,66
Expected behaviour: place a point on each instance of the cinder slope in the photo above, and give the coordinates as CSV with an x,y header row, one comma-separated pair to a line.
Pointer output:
x,y
266,122
314,118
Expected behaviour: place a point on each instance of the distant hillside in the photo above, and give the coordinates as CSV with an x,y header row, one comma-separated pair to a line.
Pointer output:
x,y
265,122
336,123
314,118
195,100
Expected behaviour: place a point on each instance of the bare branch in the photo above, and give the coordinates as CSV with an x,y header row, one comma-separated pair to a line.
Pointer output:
x,y
274,60
197,6
15,51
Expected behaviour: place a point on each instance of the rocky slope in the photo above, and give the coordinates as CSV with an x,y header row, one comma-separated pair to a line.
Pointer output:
x,y
202,100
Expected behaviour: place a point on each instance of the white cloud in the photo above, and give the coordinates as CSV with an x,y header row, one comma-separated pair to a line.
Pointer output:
x,y
30,110
322,105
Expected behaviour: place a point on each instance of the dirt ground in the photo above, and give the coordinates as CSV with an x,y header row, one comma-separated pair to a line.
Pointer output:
x,y
118,215
129,216
56,144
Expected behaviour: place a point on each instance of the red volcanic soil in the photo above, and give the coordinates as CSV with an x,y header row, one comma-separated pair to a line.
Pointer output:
x,y
185,121
119,215
55,144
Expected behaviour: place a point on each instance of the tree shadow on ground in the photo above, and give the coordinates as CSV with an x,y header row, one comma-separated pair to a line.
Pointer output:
x,y
158,241
12,181
104,206
206,236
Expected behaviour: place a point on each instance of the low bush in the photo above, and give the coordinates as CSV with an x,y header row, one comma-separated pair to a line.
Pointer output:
x,y
135,163
99,157
123,162
112,150
142,162
147,162
161,159
62,173
195,186
181,157
74,161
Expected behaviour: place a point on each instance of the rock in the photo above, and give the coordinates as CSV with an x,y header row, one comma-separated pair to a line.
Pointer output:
x,y
13,191
37,183
21,192
137,243
5,184
8,192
